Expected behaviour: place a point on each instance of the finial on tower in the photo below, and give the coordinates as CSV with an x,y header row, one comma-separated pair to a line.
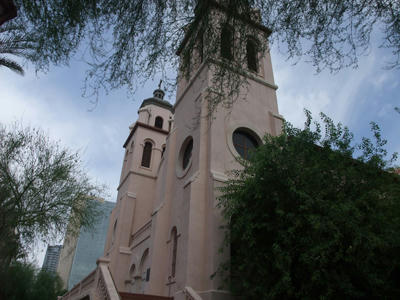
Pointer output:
x,y
159,85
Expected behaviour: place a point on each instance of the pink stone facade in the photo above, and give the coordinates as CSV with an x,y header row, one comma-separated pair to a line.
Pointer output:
x,y
153,201
164,234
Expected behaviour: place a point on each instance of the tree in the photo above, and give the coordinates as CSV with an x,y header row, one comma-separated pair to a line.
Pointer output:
x,y
127,42
16,43
47,286
313,216
23,281
42,189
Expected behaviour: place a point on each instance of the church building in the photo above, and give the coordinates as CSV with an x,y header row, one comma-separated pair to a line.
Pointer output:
x,y
165,231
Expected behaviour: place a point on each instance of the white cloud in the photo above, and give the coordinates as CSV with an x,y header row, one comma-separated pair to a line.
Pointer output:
x,y
338,95
53,103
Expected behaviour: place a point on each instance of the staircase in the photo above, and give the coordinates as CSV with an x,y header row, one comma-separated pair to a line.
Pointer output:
x,y
99,285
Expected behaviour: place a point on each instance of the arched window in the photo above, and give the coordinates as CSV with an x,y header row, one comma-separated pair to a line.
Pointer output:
x,y
251,52
187,154
159,122
174,240
227,42
144,269
163,150
131,148
132,272
114,232
244,142
146,158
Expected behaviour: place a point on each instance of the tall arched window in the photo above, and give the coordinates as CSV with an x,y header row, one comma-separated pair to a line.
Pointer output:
x,y
174,239
146,158
163,150
132,272
114,232
187,154
251,52
159,122
227,42
144,269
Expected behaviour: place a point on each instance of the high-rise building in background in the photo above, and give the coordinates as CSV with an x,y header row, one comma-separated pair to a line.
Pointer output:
x,y
51,259
79,252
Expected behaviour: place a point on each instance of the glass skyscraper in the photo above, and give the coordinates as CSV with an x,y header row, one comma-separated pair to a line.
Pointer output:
x,y
51,259
79,254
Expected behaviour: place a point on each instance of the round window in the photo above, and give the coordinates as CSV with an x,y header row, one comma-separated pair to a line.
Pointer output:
x,y
187,154
244,142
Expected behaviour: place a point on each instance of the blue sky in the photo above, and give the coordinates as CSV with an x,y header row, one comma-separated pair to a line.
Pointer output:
x,y
53,102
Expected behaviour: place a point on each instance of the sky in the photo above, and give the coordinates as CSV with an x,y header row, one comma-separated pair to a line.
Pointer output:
x,y
54,102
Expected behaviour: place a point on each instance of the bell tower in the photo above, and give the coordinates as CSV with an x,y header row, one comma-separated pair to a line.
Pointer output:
x,y
144,150
165,232
208,137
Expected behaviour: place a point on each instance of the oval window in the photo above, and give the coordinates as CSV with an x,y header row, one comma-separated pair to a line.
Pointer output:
x,y
244,142
187,154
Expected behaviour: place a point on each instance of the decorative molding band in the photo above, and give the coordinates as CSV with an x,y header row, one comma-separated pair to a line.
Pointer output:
x,y
131,195
277,116
134,245
143,174
157,209
218,176
144,125
125,250
102,260
219,62
141,230
244,73
136,173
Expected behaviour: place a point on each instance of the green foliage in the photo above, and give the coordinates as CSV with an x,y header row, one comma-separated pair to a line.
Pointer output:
x,y
43,190
14,42
312,216
23,281
47,286
127,42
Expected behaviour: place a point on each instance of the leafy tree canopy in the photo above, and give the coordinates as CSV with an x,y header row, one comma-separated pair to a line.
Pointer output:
x,y
42,190
23,281
314,216
127,42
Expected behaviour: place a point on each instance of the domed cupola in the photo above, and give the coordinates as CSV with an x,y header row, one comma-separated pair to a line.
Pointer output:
x,y
158,93
156,111
158,100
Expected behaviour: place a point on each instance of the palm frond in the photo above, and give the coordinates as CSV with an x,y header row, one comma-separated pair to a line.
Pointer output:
x,y
15,41
10,28
12,65
17,45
